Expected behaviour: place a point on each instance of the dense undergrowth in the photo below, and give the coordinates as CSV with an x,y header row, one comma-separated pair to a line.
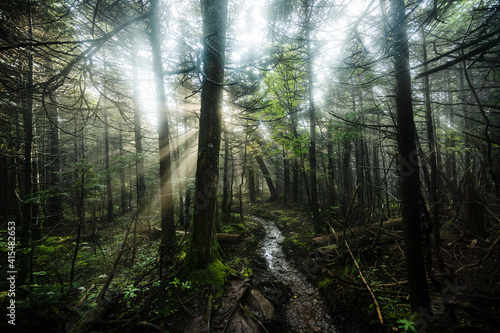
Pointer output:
x,y
53,299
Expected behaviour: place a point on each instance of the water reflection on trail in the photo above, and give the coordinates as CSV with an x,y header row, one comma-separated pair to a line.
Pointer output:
x,y
306,311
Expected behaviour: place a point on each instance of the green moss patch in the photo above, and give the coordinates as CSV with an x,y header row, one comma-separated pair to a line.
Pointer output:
x,y
214,277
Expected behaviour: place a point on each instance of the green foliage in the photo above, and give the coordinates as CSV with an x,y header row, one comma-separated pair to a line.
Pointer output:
x,y
183,284
129,294
40,197
346,132
392,308
407,325
288,97
241,265
130,291
175,282
186,285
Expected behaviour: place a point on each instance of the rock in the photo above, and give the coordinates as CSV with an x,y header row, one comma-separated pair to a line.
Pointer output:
x,y
310,291
260,306
310,266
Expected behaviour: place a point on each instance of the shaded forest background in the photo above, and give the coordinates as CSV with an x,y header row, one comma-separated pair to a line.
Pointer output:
x,y
100,116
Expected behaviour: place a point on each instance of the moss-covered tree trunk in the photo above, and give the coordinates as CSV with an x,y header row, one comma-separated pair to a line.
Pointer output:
x,y
202,249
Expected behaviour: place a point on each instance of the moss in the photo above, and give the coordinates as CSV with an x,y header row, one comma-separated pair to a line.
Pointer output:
x,y
215,275
288,221
296,241
181,255
234,228
323,284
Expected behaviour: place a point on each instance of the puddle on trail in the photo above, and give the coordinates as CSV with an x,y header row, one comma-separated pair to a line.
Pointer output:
x,y
306,311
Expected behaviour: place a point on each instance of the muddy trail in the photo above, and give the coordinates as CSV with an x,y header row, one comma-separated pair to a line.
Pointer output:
x,y
305,311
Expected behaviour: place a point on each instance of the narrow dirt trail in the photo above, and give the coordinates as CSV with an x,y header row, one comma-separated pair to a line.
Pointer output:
x,y
306,311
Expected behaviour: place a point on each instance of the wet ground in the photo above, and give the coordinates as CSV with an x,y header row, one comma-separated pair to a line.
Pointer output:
x,y
306,311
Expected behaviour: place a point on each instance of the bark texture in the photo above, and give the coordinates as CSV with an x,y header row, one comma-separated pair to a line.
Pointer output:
x,y
203,244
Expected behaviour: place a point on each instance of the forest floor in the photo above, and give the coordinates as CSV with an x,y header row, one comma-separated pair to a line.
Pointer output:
x,y
466,298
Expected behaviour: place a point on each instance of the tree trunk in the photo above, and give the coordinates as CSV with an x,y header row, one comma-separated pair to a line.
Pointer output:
x,y
251,184
187,202
166,193
178,174
473,215
286,178
369,188
226,208
314,204
139,160
295,181
231,185
202,250
346,174
267,177
467,123
36,226
331,171
107,166
28,170
243,171
360,175
123,185
55,179
451,160
408,169
358,153
433,156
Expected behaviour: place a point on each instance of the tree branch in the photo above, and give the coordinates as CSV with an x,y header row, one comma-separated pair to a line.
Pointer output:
x,y
480,49
58,79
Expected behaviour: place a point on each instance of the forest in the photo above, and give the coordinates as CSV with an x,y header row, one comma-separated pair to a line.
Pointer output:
x,y
250,166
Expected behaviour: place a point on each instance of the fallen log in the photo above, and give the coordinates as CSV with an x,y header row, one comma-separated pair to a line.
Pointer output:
x,y
324,239
229,238
394,224
222,238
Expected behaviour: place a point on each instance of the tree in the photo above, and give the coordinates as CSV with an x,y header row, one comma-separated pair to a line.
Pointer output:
x,y
308,8
55,209
107,165
433,160
166,193
267,176
139,158
202,249
408,164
